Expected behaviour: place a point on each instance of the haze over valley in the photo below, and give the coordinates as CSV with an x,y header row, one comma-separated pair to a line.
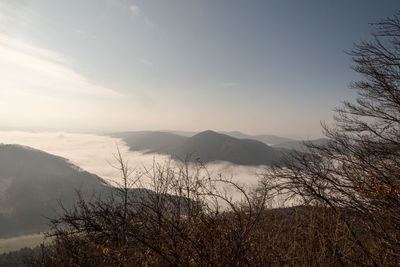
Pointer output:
x,y
199,133
51,166
94,153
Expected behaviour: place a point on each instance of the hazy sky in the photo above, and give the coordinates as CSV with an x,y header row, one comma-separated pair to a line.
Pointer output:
x,y
275,67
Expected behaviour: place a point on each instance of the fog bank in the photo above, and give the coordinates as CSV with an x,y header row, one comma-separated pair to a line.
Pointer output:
x,y
95,154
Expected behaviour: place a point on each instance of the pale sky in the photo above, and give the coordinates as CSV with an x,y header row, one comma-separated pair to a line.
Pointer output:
x,y
273,67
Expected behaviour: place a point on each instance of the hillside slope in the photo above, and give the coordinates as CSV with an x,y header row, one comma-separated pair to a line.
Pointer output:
x,y
300,145
32,183
264,138
152,142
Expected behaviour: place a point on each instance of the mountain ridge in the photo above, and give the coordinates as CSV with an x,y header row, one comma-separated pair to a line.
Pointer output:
x,y
206,146
264,138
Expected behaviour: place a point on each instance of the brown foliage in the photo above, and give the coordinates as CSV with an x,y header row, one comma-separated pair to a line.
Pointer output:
x,y
349,191
161,229
180,222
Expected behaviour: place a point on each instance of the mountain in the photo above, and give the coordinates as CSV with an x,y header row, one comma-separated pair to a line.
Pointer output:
x,y
152,142
183,133
211,146
206,146
32,183
265,138
299,145
134,136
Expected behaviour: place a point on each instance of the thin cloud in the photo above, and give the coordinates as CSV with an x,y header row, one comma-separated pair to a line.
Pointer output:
x,y
13,44
134,9
43,70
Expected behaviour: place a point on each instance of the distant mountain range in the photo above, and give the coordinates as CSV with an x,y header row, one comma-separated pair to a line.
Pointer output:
x,y
301,145
267,139
32,183
206,146
271,140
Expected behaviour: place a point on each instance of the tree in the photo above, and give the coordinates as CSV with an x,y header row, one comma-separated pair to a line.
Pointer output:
x,y
183,219
349,191
357,174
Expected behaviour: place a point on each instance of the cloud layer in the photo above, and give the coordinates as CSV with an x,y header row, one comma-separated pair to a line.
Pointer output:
x,y
94,153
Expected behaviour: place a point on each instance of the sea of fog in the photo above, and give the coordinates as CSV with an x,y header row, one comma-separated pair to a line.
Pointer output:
x,y
95,154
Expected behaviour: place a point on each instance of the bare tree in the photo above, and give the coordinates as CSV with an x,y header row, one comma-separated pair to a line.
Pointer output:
x,y
358,171
349,191
182,219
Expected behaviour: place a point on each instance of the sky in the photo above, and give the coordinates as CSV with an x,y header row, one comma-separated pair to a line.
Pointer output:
x,y
260,67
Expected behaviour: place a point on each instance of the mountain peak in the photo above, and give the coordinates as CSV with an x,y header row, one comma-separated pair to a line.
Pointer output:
x,y
210,135
207,132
